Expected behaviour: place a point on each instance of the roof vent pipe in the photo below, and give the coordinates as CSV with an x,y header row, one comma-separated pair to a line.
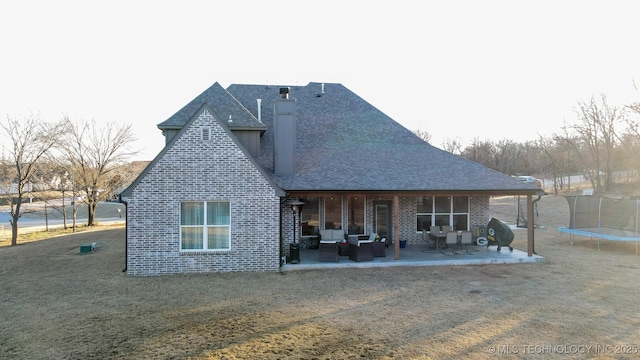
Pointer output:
x,y
259,101
322,89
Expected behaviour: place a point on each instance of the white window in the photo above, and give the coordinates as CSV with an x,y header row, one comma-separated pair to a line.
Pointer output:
x,y
356,215
204,225
442,210
333,212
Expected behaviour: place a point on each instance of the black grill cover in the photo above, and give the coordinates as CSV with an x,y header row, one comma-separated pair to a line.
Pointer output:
x,y
499,232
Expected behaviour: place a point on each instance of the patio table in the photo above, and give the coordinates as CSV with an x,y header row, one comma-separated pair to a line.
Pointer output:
x,y
439,237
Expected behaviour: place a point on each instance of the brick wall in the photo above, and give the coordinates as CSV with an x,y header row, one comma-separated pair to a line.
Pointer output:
x,y
479,211
196,170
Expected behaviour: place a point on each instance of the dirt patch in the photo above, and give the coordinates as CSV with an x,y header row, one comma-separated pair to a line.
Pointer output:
x,y
57,303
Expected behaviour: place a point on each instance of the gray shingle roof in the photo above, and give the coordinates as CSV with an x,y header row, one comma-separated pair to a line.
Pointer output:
x,y
223,104
344,143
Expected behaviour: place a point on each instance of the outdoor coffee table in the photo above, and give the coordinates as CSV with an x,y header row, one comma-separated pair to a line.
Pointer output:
x,y
343,249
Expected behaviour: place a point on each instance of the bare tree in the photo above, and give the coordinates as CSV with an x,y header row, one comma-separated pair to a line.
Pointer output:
x,y
633,125
530,159
630,140
505,153
61,180
30,138
94,153
627,154
423,135
597,121
560,160
453,146
551,149
480,152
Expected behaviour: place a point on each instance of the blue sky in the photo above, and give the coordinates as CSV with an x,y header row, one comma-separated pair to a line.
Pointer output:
x,y
456,69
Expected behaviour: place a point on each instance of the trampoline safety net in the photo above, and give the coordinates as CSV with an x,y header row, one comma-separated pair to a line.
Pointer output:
x,y
598,212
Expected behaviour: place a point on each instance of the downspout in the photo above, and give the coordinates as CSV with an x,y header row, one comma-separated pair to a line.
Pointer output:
x,y
280,239
534,208
126,232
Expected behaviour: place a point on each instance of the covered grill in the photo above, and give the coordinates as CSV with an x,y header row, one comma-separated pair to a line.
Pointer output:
x,y
499,233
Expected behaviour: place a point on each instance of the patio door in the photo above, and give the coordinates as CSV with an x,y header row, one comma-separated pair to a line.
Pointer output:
x,y
382,222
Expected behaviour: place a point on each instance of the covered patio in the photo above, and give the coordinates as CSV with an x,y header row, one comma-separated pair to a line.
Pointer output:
x,y
418,255
416,252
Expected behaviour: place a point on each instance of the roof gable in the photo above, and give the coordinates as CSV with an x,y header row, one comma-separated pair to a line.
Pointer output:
x,y
186,155
223,104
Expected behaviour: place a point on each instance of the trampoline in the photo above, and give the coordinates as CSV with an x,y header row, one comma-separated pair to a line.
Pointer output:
x,y
601,217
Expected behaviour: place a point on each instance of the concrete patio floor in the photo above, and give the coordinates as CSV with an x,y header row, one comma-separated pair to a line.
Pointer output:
x,y
418,255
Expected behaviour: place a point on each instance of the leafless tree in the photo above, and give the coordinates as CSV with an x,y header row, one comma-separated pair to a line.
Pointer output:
x,y
630,139
480,152
555,156
626,155
633,124
560,158
505,153
94,153
30,139
423,135
453,146
528,159
61,180
597,122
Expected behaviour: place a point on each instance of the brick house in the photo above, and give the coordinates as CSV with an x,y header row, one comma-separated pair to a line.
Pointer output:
x,y
218,197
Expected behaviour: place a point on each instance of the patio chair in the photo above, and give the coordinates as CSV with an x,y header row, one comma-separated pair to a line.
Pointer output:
x,y
451,241
466,239
447,228
362,250
328,250
378,248
434,241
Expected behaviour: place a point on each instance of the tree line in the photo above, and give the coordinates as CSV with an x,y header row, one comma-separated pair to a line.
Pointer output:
x,y
84,159
602,144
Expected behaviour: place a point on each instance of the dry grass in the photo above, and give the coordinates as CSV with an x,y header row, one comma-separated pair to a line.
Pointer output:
x,y
27,235
56,303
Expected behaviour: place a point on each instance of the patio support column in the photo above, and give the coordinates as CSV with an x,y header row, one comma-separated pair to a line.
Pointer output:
x,y
396,227
530,225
